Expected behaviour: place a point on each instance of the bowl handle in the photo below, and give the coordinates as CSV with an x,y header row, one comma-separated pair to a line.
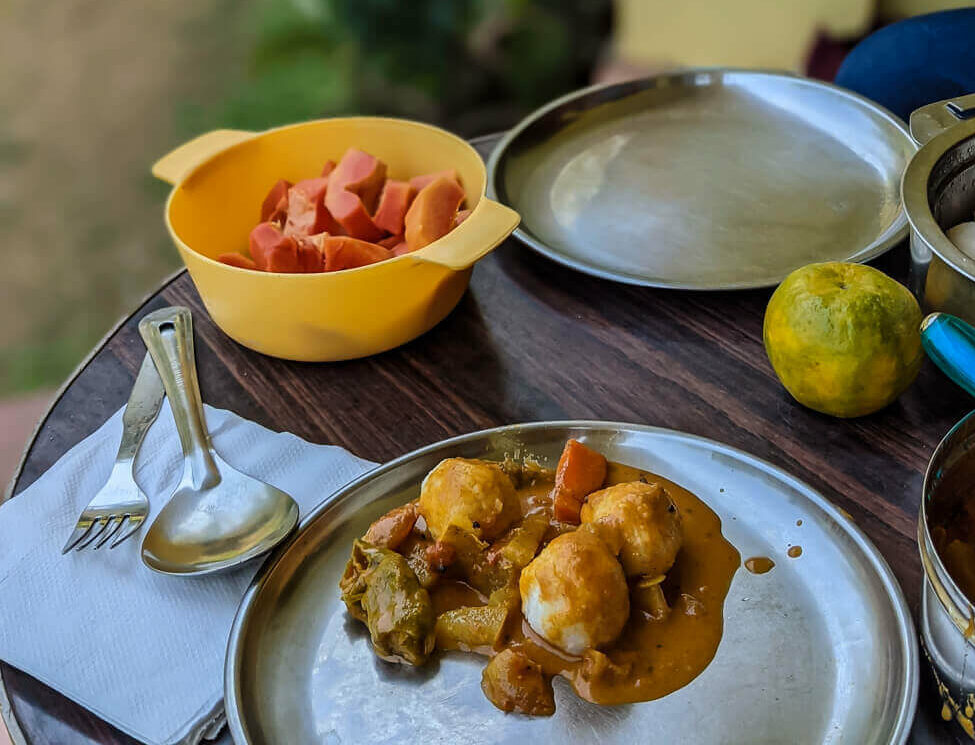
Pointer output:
x,y
177,164
950,343
488,225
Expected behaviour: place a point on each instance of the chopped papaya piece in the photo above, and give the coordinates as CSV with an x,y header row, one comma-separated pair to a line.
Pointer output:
x,y
390,241
353,190
317,240
273,251
419,183
307,213
238,260
275,206
360,173
431,215
461,216
344,252
581,471
400,248
353,217
393,203
327,168
310,257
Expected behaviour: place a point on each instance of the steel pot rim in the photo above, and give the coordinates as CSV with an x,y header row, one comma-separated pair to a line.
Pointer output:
x,y
935,572
914,197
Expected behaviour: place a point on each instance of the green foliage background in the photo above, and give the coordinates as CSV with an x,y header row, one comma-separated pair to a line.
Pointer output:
x,y
473,65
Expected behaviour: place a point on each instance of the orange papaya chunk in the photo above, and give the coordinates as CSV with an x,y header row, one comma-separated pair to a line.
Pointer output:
x,y
353,190
431,216
275,205
310,258
352,216
317,241
344,252
400,248
360,173
327,168
238,260
419,183
307,213
393,203
390,241
273,251
461,216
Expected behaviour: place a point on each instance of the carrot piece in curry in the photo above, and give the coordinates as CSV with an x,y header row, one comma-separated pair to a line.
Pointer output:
x,y
581,470
393,528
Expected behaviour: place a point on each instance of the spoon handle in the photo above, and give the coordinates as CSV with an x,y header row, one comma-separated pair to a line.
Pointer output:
x,y
168,334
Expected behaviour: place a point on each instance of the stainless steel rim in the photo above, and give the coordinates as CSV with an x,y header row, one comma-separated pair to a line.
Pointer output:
x,y
907,636
894,235
941,581
914,197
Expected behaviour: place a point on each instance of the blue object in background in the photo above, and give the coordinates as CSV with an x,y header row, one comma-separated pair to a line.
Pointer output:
x,y
914,62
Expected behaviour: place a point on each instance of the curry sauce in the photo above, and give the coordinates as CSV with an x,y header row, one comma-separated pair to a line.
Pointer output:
x,y
652,658
494,526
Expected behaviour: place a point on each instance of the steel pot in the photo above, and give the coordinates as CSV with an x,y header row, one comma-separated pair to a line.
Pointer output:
x,y
938,191
947,615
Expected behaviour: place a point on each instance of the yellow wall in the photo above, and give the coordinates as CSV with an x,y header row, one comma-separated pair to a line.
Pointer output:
x,y
746,33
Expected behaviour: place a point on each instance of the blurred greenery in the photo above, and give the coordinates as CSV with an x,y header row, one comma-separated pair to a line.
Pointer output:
x,y
472,65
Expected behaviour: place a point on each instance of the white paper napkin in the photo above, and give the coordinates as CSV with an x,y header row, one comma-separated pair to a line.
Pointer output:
x,y
141,650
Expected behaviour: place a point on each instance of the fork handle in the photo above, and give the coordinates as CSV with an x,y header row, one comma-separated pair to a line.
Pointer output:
x,y
168,334
141,410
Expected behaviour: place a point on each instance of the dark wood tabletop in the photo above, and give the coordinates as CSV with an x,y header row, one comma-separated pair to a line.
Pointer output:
x,y
532,341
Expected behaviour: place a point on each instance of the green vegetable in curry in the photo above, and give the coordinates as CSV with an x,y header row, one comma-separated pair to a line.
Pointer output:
x,y
380,589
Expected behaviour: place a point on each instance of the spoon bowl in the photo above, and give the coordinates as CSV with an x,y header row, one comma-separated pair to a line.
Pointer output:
x,y
206,530
218,517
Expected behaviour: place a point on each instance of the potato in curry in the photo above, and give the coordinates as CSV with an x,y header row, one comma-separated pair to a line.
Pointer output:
x,y
607,576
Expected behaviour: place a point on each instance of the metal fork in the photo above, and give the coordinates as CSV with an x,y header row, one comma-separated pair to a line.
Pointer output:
x,y
120,501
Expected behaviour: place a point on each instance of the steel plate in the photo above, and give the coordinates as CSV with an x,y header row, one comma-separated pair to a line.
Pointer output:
x,y
820,649
706,179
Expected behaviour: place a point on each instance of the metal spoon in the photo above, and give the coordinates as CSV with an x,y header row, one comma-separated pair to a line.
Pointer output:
x,y
218,517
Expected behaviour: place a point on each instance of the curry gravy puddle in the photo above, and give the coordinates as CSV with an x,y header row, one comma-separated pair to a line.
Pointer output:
x,y
651,658
759,564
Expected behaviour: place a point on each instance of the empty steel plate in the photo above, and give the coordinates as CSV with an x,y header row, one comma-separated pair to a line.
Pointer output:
x,y
706,180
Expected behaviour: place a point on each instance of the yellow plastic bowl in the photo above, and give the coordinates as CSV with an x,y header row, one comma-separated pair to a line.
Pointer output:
x,y
219,181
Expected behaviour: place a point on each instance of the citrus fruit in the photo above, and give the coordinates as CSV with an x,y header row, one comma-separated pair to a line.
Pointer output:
x,y
844,339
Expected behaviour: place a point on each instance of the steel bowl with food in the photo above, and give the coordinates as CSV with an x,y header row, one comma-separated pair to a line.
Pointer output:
x,y
938,191
219,181
946,533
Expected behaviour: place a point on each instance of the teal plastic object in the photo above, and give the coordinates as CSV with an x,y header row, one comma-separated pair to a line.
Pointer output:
x,y
950,343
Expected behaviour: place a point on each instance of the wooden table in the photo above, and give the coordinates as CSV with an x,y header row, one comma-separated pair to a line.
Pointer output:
x,y
533,341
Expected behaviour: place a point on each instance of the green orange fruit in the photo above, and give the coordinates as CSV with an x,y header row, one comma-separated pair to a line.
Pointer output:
x,y
844,339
